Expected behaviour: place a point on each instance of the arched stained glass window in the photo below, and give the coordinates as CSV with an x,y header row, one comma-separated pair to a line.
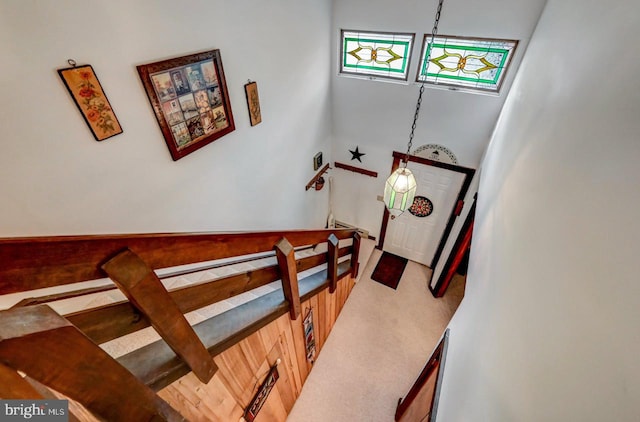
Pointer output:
x,y
378,54
472,63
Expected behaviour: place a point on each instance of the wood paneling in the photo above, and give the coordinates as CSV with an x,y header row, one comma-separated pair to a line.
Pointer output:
x,y
242,367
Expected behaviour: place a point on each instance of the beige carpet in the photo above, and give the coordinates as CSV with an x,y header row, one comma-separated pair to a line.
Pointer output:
x,y
377,348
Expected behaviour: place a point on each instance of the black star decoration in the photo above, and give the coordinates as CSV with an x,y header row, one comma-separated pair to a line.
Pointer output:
x,y
355,155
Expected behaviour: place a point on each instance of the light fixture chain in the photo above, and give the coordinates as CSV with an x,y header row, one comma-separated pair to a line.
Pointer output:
x,y
434,32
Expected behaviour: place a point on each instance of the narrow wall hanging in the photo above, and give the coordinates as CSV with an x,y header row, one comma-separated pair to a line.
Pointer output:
x,y
86,91
309,338
262,394
190,99
253,102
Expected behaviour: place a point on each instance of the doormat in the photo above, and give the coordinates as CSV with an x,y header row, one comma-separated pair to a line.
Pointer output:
x,y
389,269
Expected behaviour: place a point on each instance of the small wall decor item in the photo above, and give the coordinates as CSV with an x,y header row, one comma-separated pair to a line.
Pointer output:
x,y
253,102
87,93
317,161
436,152
421,207
262,394
309,338
355,155
190,99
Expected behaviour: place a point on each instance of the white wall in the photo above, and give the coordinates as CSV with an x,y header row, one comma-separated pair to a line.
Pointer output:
x,y
548,330
56,179
377,116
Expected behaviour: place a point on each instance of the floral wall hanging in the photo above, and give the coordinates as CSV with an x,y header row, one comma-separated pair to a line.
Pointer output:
x,y
87,93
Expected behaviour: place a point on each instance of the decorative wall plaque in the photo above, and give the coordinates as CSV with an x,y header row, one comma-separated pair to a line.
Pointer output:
x,y
421,207
309,338
436,152
262,394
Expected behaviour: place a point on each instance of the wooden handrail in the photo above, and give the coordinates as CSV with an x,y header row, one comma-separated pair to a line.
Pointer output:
x,y
38,262
115,320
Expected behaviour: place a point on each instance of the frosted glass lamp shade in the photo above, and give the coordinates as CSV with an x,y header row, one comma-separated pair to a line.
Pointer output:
x,y
399,191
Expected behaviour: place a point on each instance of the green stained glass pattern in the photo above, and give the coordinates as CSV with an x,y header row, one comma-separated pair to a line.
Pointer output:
x,y
478,64
376,54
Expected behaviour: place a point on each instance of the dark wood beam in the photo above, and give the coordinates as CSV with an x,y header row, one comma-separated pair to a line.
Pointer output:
x,y
66,360
289,275
145,291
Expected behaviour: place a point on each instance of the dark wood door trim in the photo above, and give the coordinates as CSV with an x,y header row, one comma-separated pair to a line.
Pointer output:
x,y
468,176
463,242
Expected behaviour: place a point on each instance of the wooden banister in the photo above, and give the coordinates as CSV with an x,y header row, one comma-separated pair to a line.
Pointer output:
x,y
61,351
39,262
108,322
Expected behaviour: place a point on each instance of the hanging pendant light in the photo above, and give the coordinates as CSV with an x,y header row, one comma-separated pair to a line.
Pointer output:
x,y
400,188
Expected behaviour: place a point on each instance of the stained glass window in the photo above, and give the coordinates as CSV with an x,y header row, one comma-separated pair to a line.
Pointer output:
x,y
473,63
376,54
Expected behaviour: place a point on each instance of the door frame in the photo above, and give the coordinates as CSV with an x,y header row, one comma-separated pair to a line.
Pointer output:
x,y
455,212
463,243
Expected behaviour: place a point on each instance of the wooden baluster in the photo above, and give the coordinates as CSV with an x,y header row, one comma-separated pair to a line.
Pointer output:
x,y
46,347
287,263
355,265
145,291
332,262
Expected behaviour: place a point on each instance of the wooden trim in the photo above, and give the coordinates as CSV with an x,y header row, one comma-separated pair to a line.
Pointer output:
x,y
332,263
156,364
38,262
316,177
289,276
111,321
468,172
463,242
435,363
355,255
355,169
386,215
145,291
61,351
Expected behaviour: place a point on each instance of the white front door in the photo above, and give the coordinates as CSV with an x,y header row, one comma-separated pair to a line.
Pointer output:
x,y
417,238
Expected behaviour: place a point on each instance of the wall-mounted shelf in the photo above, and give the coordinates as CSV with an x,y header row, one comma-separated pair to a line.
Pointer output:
x,y
317,176
356,169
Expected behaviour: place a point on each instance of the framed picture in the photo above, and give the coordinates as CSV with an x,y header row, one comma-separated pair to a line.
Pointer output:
x,y
317,161
87,93
253,103
190,99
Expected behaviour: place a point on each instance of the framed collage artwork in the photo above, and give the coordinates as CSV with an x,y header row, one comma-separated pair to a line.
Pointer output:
x,y
190,99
